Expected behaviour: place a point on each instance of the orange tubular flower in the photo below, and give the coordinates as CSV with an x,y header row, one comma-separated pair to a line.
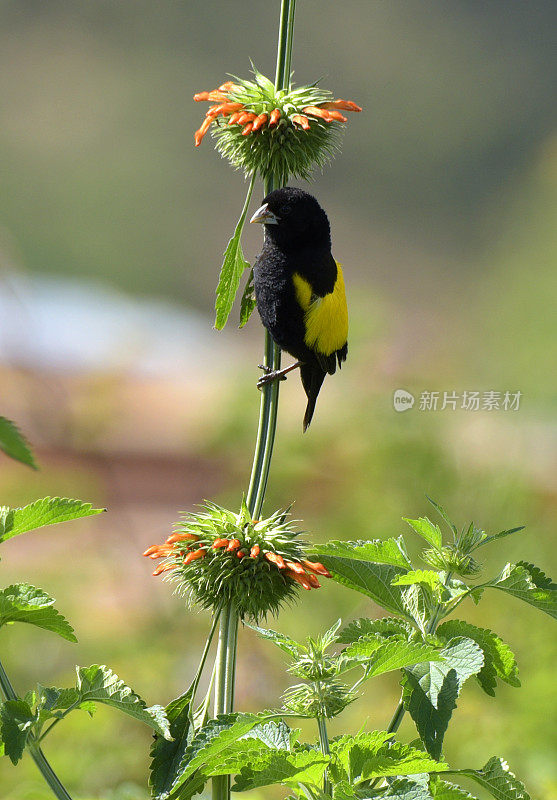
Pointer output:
x,y
295,566
195,555
303,580
342,105
337,116
260,121
158,551
274,118
255,550
315,111
234,544
248,129
317,567
220,543
244,117
178,537
162,568
274,558
314,582
235,117
217,97
240,554
200,133
150,550
299,119
224,108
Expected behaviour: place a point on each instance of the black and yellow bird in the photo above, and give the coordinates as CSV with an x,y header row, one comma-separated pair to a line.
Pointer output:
x,y
299,289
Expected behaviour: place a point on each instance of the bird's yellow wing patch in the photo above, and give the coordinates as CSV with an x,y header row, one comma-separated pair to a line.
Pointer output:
x,y
326,318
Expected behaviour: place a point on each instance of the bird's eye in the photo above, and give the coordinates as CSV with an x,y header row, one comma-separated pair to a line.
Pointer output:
x,y
286,209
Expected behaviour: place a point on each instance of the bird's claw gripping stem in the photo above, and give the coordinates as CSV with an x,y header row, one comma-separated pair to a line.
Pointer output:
x,y
275,374
269,376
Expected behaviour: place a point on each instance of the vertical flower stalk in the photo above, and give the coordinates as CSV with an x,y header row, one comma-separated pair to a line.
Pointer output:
x,y
228,633
275,131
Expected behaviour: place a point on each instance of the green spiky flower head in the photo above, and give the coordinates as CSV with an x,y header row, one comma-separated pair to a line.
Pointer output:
x,y
262,130
221,557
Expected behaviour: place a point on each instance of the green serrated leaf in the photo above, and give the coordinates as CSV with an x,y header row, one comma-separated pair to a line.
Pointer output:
x,y
349,565
428,530
374,754
407,789
288,769
342,790
381,551
99,684
538,578
24,603
499,660
443,790
233,759
520,582
496,777
233,266
207,747
427,577
431,689
276,735
391,655
166,755
368,627
53,703
285,643
41,513
253,749
248,301
362,649
14,444
418,602
16,721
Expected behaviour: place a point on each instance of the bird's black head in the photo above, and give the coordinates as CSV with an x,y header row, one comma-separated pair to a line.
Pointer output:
x,y
293,219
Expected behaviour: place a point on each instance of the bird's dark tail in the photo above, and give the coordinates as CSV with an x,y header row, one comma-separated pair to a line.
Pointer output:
x,y
312,379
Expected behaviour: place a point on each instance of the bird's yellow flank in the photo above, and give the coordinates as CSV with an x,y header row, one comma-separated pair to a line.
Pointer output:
x,y
326,318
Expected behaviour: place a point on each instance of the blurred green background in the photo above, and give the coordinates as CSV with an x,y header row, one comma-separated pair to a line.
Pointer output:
x,y
112,227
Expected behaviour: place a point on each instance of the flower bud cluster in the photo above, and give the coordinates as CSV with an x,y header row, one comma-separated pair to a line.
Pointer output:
x,y
261,130
219,556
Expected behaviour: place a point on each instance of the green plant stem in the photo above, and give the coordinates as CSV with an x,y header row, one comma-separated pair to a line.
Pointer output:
x,y
324,744
226,653
394,724
5,685
32,746
284,41
47,772
224,683
271,358
323,735
195,683
267,425
290,35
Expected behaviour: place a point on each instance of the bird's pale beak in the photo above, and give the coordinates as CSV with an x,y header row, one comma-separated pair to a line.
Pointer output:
x,y
265,216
